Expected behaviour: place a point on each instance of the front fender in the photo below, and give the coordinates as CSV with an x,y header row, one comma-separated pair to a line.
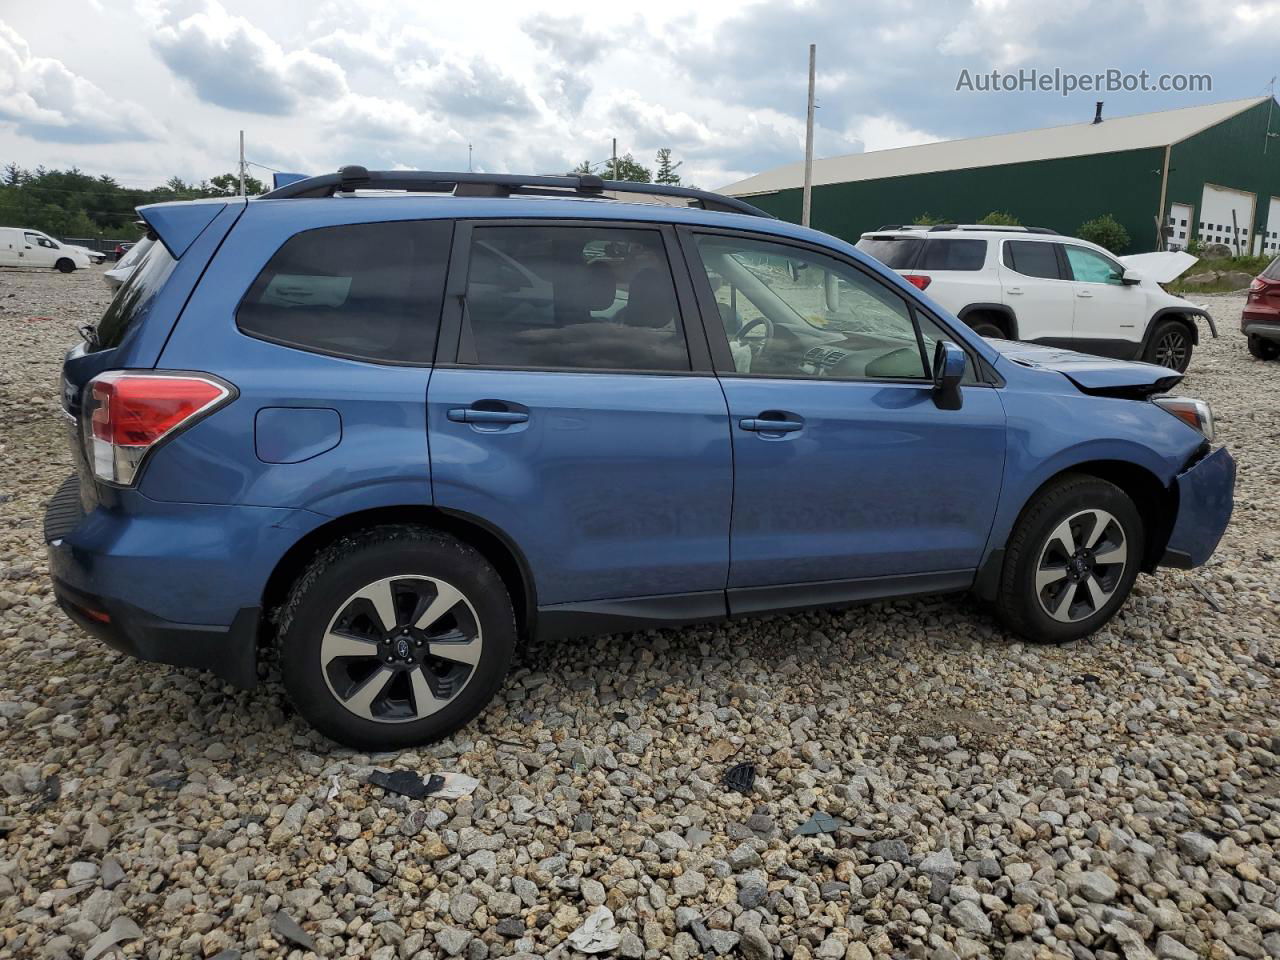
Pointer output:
x,y
1050,434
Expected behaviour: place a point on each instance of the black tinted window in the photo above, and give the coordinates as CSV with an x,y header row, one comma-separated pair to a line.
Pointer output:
x,y
587,297
896,253
1032,258
134,298
370,291
953,255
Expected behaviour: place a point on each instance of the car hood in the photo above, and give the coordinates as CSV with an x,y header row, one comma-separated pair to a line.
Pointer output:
x,y
1162,266
1097,375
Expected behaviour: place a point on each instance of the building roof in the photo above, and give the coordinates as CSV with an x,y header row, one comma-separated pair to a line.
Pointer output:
x,y
1113,135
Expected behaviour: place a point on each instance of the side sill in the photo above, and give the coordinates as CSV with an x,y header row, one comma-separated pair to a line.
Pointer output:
x,y
834,593
629,614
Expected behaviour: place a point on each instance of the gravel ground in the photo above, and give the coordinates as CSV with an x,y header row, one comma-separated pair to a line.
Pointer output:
x,y
1118,797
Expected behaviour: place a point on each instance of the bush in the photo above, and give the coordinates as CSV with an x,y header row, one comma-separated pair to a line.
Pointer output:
x,y
999,218
1106,231
928,220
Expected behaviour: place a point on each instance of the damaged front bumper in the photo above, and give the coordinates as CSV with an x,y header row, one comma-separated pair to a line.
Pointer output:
x,y
1205,496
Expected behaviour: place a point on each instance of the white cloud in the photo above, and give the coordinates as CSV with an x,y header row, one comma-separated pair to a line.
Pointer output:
x,y
231,63
40,98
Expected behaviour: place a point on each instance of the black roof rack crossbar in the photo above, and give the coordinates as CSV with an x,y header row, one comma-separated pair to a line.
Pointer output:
x,y
349,179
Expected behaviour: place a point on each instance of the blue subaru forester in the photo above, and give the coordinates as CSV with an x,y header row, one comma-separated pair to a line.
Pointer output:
x,y
392,422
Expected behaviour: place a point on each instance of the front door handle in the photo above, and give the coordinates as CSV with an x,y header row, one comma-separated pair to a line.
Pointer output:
x,y
1084,293
771,422
472,415
1013,291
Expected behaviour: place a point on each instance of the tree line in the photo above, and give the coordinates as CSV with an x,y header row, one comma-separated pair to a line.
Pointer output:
x,y
629,168
72,203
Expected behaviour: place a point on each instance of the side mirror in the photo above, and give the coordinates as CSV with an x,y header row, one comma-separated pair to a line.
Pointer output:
x,y
949,363
1130,277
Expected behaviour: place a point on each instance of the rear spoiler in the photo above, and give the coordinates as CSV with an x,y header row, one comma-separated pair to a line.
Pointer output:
x,y
177,224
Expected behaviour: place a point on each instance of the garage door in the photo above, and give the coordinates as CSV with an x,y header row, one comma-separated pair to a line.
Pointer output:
x,y
1216,224
1271,239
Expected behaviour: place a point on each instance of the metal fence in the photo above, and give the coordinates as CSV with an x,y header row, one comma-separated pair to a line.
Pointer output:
x,y
102,246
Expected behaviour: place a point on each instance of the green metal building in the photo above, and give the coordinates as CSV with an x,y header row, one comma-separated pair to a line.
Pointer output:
x,y
1209,173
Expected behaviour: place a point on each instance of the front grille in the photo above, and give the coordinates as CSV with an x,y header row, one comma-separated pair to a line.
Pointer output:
x,y
64,510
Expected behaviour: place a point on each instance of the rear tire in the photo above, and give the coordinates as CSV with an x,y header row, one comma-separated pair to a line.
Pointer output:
x,y
65,266
1263,349
1170,345
984,325
395,637
1071,560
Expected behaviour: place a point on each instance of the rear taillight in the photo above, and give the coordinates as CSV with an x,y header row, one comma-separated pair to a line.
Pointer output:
x,y
1257,284
920,281
127,414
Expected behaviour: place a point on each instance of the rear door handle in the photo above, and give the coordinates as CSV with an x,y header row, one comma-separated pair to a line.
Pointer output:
x,y
765,425
471,415
1083,293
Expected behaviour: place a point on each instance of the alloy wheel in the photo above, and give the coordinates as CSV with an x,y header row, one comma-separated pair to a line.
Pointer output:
x,y
1081,565
401,648
1171,350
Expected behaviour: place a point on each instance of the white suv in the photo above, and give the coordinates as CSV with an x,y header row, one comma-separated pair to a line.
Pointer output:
x,y
1029,283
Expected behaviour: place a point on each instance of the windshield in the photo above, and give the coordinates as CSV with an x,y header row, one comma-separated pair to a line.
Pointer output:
x,y
134,298
896,253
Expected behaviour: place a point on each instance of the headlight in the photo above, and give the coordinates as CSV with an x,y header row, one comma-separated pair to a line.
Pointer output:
x,y
1194,413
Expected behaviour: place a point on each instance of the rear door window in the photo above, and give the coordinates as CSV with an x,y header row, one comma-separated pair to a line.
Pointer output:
x,y
896,253
1033,258
368,291
587,298
953,255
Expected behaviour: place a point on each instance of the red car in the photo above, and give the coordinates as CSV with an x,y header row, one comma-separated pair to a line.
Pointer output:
x,y
1261,318
120,250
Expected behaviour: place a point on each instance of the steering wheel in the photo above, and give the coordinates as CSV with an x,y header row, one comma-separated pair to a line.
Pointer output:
x,y
756,345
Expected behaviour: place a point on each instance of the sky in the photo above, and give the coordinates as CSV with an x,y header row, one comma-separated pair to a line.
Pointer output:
x,y
144,90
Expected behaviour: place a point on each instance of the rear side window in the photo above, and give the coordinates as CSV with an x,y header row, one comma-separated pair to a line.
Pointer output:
x,y
953,255
133,300
368,291
590,298
896,253
1032,258
1273,270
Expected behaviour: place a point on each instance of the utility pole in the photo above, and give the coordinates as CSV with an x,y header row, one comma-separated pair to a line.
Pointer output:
x,y
468,158
615,158
808,141
242,163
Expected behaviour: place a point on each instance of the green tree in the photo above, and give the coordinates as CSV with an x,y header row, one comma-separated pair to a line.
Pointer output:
x,y
627,168
928,220
1106,231
228,185
666,169
1000,218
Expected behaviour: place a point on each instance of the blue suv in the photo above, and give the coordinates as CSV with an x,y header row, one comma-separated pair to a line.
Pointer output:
x,y
391,423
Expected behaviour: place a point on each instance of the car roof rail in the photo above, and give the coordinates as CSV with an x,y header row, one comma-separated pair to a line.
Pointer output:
x,y
992,228
352,178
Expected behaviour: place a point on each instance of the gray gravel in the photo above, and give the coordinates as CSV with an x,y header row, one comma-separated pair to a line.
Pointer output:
x,y
1116,798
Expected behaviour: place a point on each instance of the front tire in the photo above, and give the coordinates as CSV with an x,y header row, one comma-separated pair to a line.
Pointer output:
x,y
1262,348
1170,345
1071,560
65,266
395,637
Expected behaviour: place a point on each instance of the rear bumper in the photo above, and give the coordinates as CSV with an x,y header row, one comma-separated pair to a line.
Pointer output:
x,y
228,652
1267,329
1205,497
170,583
